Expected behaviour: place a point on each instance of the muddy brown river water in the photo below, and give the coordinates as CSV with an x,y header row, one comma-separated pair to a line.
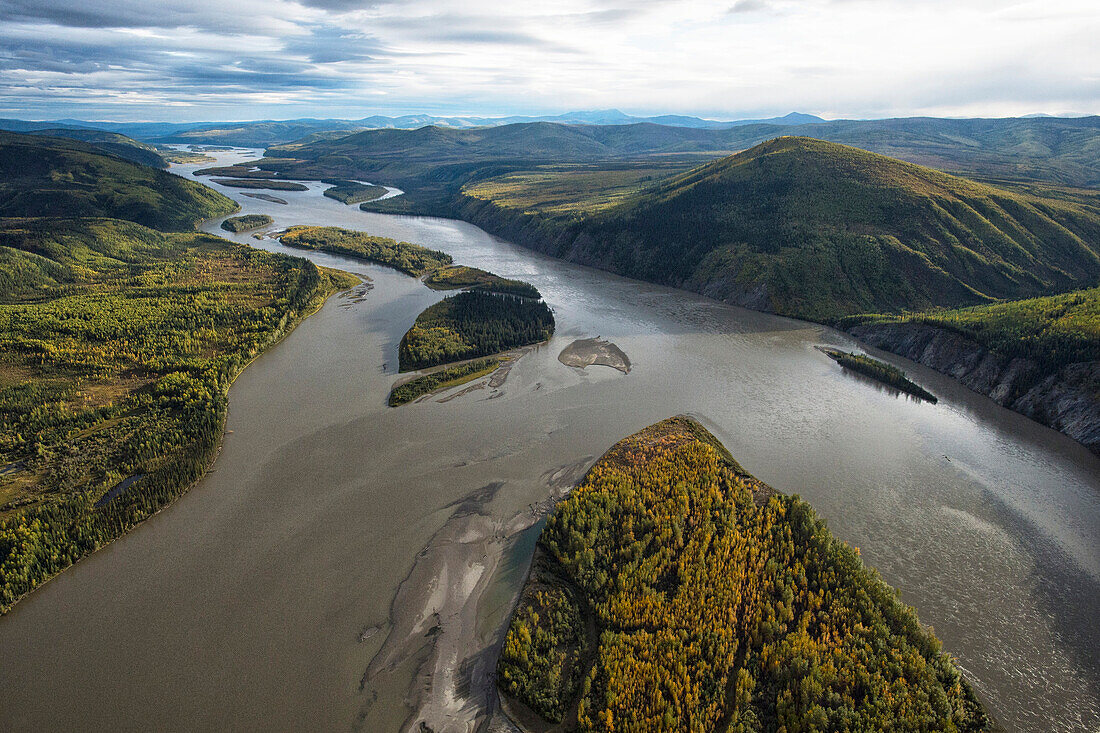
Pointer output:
x,y
347,566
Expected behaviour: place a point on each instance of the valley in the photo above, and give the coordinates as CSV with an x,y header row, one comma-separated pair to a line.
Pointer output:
x,y
442,499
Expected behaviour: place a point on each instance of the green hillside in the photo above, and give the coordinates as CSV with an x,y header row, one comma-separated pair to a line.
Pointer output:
x,y
673,591
44,176
113,143
819,230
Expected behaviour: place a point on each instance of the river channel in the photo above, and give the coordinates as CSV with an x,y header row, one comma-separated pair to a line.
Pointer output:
x,y
349,566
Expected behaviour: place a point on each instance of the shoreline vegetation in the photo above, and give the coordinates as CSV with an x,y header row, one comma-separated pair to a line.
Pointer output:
x,y
461,277
121,331
260,184
1039,357
672,590
353,192
138,390
442,379
490,316
880,371
238,224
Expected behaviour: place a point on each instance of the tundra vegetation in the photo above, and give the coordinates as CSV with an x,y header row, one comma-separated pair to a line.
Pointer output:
x,y
673,591
815,230
42,176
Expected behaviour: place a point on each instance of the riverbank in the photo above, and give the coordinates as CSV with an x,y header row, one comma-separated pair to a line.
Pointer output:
x,y
253,595
1066,400
86,484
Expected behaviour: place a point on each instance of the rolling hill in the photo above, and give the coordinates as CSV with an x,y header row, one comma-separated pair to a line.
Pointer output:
x,y
817,230
48,176
1059,150
113,143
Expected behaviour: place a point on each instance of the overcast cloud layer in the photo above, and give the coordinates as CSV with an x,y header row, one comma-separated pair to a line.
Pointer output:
x,y
251,59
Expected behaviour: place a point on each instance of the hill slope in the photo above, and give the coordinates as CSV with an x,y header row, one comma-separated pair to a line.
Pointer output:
x,y
818,230
44,176
671,590
112,143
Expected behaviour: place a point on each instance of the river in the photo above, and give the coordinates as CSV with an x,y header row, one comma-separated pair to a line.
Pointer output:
x,y
346,565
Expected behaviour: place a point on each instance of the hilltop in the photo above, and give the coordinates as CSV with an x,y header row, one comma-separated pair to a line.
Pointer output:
x,y
818,230
48,176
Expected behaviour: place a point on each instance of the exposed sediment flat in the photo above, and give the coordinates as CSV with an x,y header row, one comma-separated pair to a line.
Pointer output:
x,y
583,353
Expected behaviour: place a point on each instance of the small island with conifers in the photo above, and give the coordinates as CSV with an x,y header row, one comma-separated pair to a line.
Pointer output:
x,y
261,183
671,590
238,224
353,192
879,371
491,315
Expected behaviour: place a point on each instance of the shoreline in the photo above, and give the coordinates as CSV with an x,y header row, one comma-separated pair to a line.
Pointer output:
x,y
454,687
208,468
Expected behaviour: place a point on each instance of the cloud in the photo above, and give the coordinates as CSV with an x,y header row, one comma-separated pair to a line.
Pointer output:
x,y
352,58
750,6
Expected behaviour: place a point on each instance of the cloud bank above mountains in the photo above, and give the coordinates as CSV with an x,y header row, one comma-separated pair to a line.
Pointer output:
x,y
247,59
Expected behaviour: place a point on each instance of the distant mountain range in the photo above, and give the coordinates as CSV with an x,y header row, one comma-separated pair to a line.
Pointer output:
x,y
1055,149
262,133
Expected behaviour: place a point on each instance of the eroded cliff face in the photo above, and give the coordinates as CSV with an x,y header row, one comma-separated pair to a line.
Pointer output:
x,y
1068,400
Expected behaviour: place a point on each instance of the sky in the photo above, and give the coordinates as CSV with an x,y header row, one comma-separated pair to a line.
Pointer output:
x,y
727,59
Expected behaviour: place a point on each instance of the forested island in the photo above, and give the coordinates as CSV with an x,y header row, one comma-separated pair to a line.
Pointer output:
x,y
671,590
353,192
412,259
461,277
118,343
471,324
239,224
493,314
263,184
880,371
